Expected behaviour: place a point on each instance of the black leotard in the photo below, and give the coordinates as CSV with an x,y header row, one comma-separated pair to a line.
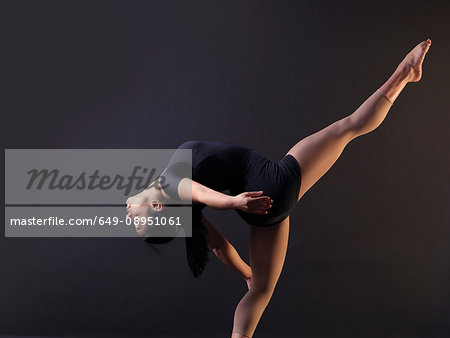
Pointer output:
x,y
226,166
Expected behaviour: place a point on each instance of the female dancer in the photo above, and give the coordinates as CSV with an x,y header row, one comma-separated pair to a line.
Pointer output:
x,y
219,166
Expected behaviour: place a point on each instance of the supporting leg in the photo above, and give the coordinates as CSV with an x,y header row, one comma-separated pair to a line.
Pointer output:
x,y
268,247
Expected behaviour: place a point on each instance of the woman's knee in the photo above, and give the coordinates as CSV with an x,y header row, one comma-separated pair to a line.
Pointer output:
x,y
361,124
347,128
262,292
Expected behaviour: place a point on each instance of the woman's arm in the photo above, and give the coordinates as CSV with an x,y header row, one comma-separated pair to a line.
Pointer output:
x,y
250,202
226,252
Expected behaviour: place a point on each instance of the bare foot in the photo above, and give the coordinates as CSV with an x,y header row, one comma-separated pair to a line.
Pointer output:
x,y
411,66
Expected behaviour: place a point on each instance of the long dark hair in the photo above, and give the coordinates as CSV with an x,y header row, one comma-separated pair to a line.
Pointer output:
x,y
197,250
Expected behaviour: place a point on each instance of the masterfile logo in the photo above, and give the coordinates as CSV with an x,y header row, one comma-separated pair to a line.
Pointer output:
x,y
83,192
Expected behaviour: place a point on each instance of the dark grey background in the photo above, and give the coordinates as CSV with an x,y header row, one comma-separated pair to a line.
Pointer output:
x,y
368,253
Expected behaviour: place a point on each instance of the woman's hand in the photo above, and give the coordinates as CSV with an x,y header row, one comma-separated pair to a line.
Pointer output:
x,y
251,203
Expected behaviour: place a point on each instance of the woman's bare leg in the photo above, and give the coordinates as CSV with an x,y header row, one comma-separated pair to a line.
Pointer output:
x,y
268,247
315,154
319,151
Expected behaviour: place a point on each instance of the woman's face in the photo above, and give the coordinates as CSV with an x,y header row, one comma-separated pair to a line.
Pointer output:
x,y
155,227
142,207
140,216
148,214
151,221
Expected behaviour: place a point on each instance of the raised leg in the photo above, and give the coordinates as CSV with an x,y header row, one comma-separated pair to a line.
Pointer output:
x,y
318,152
268,247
